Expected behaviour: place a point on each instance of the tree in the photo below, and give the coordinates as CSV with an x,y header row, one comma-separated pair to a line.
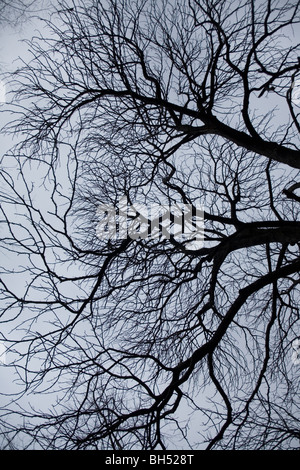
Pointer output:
x,y
14,12
154,342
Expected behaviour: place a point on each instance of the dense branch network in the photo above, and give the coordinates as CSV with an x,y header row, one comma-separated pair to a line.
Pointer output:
x,y
155,343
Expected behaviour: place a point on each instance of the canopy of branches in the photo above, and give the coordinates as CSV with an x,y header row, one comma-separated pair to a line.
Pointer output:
x,y
154,343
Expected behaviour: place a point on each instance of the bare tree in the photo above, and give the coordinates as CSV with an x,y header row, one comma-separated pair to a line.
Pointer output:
x,y
15,12
154,342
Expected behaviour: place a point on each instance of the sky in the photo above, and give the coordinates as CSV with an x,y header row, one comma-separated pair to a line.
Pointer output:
x,y
12,46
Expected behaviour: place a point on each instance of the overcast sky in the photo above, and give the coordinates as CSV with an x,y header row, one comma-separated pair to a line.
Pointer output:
x,y
12,46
